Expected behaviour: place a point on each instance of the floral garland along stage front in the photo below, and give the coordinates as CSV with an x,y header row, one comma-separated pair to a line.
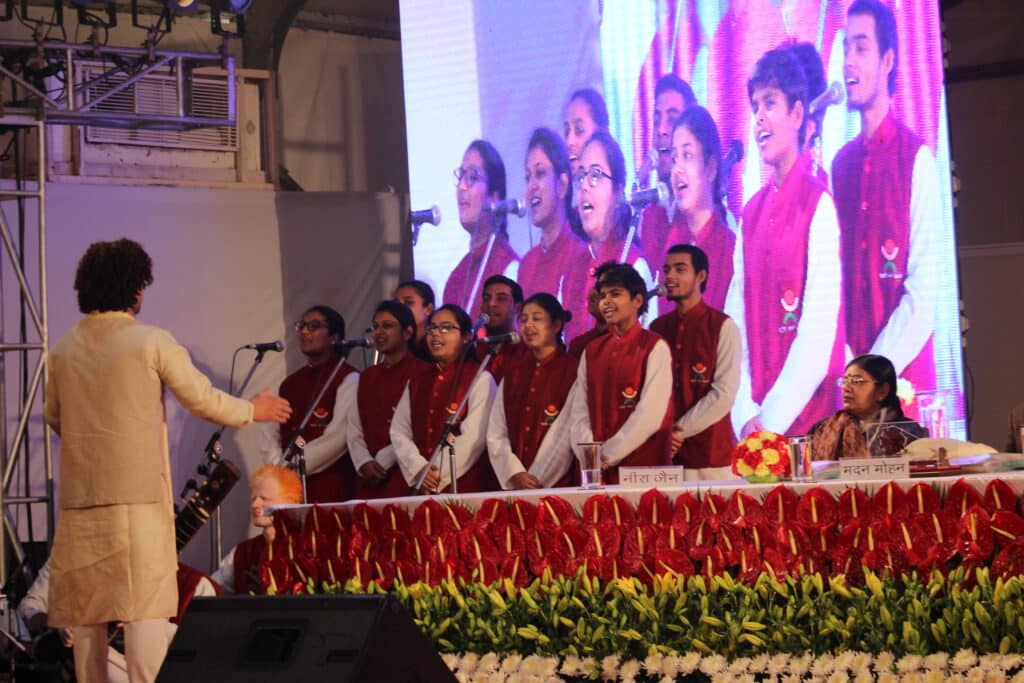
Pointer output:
x,y
899,572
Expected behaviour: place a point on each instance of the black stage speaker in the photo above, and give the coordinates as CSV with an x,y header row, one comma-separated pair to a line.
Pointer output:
x,y
314,638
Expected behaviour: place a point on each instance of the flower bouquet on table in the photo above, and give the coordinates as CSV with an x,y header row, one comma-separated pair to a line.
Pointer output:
x,y
761,458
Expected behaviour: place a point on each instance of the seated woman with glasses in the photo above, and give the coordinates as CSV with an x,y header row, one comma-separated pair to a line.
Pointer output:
x,y
479,182
871,421
600,183
432,397
528,431
330,475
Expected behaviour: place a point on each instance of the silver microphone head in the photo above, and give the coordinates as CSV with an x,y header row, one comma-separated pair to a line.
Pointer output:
x,y
435,215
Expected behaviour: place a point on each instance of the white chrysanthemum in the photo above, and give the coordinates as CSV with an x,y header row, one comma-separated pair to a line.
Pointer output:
x,y
610,668
888,677
571,666
488,663
823,665
482,677
758,663
792,678
864,676
745,678
777,664
629,670
844,660
688,663
884,661
956,678
667,679
1018,677
976,675
798,666
839,677
909,664
991,661
653,663
934,676
590,667
451,660
723,677
963,660
995,676
937,661
548,667
712,665
530,666
514,678
462,677
468,663
739,665
861,661
511,663
1011,662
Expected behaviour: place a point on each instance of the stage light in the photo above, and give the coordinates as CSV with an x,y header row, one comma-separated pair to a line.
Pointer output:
x,y
233,6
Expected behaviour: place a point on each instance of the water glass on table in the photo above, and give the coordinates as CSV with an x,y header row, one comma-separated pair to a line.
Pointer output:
x,y
590,465
799,458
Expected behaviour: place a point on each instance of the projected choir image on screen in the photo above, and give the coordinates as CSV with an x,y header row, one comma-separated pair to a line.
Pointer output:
x,y
479,184
605,216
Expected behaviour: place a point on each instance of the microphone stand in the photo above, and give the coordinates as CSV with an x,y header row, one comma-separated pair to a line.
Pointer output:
x,y
296,445
483,264
450,424
634,225
212,453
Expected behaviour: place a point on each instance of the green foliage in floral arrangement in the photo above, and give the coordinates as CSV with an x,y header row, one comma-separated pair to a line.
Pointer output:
x,y
581,617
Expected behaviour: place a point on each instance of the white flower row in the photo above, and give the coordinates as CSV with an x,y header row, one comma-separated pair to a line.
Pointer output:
x,y
844,667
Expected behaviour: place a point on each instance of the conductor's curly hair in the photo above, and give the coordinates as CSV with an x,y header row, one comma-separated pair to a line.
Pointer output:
x,y
110,275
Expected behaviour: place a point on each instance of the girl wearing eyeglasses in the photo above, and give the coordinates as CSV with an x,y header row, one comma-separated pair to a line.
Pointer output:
x,y
548,179
600,184
380,388
330,475
434,396
480,181
528,430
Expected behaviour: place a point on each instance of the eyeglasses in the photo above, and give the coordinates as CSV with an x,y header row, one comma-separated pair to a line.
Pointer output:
x,y
311,325
592,174
853,382
443,328
472,176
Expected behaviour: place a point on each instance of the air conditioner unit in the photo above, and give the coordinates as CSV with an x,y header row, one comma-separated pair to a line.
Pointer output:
x,y
178,153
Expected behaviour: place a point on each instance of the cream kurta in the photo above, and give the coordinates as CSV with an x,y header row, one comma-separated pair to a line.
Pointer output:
x,y
113,555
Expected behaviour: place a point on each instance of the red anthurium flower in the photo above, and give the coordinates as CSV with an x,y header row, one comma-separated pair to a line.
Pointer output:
x,y
429,519
314,544
914,541
515,567
923,499
492,513
730,540
367,518
434,572
476,544
1008,527
571,541
701,540
959,499
334,570
686,510
444,547
760,537
596,509
484,570
999,496
780,505
890,501
508,539
408,572
522,514
318,519
713,562
791,543
743,510
673,538
461,518
419,549
623,567
542,550
396,518
362,544
1010,561
276,575
713,508
750,565
852,541
554,512
851,567
603,540
306,568
854,504
817,509
654,508
667,560
940,533
823,540
773,563
384,573
640,540
622,511
975,540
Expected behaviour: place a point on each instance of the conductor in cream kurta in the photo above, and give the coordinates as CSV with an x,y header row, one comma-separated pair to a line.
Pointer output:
x,y
113,556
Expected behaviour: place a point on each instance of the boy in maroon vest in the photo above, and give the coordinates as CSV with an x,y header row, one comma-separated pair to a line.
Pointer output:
x,y
887,195
786,288
330,474
502,302
706,354
623,395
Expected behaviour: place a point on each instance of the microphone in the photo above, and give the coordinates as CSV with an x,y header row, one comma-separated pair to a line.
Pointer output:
x,y
431,215
480,322
507,338
266,346
834,95
733,156
656,195
657,291
364,342
504,207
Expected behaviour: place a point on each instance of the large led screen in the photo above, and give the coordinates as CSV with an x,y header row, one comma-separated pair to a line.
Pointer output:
x,y
832,234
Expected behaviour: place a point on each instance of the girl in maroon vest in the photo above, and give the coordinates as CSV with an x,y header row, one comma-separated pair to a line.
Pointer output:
x,y
330,475
548,182
480,181
380,388
700,215
432,397
623,396
528,431
269,485
787,284
600,182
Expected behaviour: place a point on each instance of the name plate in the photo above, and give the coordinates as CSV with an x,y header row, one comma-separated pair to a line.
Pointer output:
x,y
874,468
651,476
